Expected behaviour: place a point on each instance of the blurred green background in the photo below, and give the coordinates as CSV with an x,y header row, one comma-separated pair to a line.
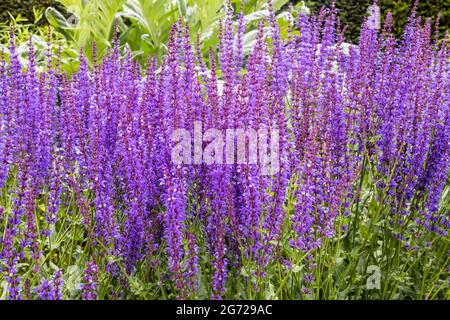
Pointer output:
x,y
351,11
144,25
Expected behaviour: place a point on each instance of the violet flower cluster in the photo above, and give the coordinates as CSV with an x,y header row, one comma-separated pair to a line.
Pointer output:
x,y
102,137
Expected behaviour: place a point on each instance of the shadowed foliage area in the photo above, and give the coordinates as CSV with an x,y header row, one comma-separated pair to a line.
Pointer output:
x,y
352,13
25,8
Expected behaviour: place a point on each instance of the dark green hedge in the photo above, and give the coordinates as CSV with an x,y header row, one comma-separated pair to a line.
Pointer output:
x,y
352,12
24,7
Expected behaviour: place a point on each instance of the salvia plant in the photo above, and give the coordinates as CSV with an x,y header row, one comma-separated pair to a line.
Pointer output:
x,y
93,206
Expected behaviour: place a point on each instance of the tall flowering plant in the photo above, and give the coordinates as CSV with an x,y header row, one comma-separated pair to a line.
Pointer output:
x,y
359,136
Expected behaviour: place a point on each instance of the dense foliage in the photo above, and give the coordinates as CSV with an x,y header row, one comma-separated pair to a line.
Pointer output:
x,y
92,205
24,8
143,26
352,13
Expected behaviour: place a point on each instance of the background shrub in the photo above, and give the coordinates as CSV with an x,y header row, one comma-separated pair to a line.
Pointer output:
x,y
353,11
25,8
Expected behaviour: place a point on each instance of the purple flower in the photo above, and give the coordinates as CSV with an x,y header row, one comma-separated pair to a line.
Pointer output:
x,y
89,286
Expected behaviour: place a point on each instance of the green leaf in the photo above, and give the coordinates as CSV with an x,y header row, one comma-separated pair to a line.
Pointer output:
x,y
278,4
56,19
182,7
4,285
296,268
269,292
255,16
